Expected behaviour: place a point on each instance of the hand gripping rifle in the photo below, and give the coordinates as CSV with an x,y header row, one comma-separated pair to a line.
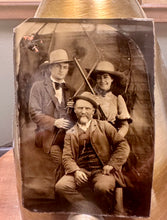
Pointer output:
x,y
83,73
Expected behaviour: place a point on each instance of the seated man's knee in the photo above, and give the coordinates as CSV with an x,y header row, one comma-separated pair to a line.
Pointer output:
x,y
59,187
65,184
103,187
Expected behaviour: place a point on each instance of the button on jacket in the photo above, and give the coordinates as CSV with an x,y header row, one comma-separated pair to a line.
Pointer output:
x,y
44,108
110,147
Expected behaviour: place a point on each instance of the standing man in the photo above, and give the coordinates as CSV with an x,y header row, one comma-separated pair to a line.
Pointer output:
x,y
48,108
93,155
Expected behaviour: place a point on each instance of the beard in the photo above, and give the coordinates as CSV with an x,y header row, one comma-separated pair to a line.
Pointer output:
x,y
83,120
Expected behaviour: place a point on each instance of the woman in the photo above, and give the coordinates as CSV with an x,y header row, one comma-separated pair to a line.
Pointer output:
x,y
114,107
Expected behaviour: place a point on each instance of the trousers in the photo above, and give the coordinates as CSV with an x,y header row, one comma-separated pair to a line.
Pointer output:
x,y
56,156
102,187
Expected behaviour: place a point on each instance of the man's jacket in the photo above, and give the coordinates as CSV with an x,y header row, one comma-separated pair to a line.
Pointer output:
x,y
44,109
110,147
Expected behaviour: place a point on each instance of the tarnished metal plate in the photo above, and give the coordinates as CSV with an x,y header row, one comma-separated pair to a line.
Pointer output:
x,y
129,44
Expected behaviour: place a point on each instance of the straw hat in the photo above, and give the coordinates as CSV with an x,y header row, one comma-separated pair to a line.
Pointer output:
x,y
59,56
106,67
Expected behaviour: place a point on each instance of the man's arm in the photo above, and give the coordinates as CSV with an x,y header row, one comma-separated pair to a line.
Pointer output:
x,y
70,164
68,157
35,109
123,130
120,146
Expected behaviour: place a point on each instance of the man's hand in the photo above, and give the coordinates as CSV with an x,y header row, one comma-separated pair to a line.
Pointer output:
x,y
80,177
70,104
107,169
63,123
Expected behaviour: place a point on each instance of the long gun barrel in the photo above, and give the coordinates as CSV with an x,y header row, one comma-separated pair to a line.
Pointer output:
x,y
83,73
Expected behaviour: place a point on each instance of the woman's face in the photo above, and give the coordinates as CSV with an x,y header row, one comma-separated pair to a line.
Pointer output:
x,y
104,81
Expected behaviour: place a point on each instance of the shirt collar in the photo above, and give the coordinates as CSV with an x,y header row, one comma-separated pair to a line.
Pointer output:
x,y
101,92
53,80
84,127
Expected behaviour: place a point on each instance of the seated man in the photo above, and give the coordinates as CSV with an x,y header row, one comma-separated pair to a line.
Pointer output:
x,y
93,155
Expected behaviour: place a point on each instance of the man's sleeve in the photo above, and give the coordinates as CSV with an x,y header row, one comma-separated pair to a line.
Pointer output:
x,y
35,109
120,147
69,162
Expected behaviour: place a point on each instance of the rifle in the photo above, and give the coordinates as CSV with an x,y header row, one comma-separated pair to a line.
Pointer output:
x,y
83,73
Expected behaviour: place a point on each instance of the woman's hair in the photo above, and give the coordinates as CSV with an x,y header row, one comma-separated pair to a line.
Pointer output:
x,y
118,85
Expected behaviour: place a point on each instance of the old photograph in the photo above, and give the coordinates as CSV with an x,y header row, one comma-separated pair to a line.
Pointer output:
x,y
85,114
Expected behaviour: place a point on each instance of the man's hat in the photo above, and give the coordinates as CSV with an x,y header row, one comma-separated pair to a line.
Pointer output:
x,y
59,56
106,67
87,96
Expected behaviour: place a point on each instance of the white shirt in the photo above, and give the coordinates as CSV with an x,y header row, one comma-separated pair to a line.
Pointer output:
x,y
84,127
58,92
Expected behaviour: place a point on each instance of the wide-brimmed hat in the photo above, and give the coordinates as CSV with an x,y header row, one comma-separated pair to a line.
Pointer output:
x,y
106,67
87,96
59,56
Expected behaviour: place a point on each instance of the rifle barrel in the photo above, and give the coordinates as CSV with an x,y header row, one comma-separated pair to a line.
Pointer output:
x,y
83,75
90,87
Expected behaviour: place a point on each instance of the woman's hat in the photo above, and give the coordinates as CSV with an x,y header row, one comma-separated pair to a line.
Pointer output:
x,y
87,96
106,67
59,56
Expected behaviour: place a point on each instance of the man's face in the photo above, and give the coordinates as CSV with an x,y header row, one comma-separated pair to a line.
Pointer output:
x,y
59,70
84,111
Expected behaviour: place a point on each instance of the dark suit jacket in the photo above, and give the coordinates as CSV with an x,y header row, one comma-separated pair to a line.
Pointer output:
x,y
44,109
110,147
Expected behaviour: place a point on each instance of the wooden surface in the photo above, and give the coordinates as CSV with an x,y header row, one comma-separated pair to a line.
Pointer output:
x,y
9,205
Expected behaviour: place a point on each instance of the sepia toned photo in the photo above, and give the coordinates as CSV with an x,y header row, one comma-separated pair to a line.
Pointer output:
x,y
85,114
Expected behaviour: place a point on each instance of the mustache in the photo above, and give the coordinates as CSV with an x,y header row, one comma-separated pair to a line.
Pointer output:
x,y
83,115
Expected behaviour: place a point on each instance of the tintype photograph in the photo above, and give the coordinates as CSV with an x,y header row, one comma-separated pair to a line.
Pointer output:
x,y
85,115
